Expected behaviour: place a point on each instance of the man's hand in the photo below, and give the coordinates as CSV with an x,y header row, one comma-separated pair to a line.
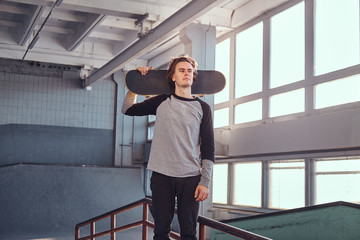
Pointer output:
x,y
201,193
143,70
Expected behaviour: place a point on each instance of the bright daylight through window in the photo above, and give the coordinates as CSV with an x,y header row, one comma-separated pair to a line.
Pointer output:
x,y
298,63
287,50
337,180
248,71
247,187
336,38
220,183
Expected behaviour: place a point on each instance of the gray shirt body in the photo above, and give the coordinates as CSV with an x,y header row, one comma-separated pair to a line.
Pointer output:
x,y
183,142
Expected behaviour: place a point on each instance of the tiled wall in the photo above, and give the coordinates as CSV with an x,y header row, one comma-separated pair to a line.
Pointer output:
x,y
43,97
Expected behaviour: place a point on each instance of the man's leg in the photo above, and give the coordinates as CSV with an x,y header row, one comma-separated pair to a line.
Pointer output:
x,y
188,208
163,205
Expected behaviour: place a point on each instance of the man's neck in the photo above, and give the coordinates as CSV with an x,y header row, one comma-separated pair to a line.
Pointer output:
x,y
183,92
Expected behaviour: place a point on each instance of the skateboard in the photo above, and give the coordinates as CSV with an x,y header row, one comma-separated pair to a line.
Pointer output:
x,y
155,82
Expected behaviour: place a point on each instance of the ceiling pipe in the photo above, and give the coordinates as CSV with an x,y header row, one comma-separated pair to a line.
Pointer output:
x,y
167,28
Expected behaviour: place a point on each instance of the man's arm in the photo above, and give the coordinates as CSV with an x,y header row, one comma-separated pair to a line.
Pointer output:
x,y
207,149
129,100
147,107
202,190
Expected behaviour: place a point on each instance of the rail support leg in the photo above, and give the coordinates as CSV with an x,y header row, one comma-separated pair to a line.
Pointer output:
x,y
202,233
145,218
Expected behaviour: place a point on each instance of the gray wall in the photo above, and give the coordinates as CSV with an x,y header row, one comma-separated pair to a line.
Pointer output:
x,y
53,126
48,94
41,202
25,143
328,131
47,117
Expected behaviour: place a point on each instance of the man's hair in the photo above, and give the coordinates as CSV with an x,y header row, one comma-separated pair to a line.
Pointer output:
x,y
172,64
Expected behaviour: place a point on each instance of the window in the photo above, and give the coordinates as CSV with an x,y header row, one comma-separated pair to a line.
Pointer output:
x,y
282,70
287,103
336,35
337,92
222,64
270,62
220,183
287,50
150,127
150,133
221,117
249,111
337,180
247,185
287,184
248,75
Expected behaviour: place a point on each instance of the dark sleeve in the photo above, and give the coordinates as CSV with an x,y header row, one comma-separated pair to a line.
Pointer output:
x,y
207,145
147,107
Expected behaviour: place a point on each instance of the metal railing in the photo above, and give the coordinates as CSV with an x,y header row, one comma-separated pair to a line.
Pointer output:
x,y
145,223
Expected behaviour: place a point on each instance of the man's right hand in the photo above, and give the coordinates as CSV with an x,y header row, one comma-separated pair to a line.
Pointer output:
x,y
144,70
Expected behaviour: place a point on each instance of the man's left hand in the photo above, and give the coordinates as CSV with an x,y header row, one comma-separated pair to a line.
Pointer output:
x,y
201,193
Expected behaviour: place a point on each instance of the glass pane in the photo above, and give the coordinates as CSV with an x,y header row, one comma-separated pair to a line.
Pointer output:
x,y
336,35
287,49
249,61
337,92
339,187
222,64
247,112
151,118
150,133
221,118
220,183
287,185
248,184
338,165
287,103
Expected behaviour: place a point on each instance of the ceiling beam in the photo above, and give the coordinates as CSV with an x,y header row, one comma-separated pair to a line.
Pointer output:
x,y
12,9
65,15
91,9
253,9
170,26
45,3
108,36
30,23
84,30
120,23
134,9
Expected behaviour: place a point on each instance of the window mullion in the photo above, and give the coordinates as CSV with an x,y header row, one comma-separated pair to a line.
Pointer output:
x,y
309,182
265,185
231,180
266,68
309,56
231,80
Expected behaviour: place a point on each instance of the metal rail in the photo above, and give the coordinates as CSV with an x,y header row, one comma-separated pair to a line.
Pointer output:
x,y
145,223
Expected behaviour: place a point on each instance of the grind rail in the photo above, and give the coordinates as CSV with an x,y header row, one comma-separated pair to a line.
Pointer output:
x,y
145,223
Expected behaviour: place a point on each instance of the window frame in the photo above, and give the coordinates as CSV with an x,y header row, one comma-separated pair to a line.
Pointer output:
x,y
309,159
308,83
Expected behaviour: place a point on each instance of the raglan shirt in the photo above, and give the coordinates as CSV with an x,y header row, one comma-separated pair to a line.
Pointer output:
x,y
183,141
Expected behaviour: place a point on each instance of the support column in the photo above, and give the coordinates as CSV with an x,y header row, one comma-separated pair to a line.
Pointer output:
x,y
124,126
200,42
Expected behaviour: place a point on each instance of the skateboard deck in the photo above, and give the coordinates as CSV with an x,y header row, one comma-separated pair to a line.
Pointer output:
x,y
155,82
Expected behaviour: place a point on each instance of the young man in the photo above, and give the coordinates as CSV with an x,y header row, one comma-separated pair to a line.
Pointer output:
x,y
182,151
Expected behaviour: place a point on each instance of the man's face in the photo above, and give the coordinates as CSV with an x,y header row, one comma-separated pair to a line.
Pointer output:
x,y
184,74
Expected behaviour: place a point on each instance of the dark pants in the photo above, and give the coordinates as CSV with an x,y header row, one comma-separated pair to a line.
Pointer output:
x,y
164,190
